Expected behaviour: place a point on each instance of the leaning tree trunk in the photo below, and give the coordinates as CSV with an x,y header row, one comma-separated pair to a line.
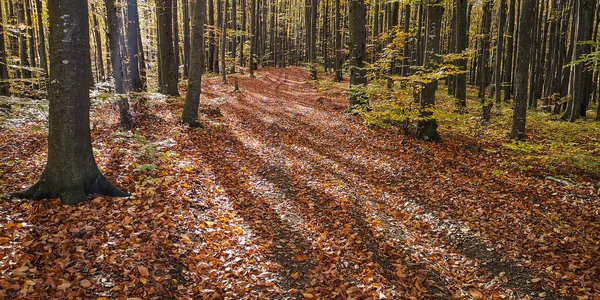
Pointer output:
x,y
524,43
192,99
71,173
427,127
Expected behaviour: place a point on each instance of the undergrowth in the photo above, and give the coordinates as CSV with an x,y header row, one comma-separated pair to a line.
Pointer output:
x,y
553,147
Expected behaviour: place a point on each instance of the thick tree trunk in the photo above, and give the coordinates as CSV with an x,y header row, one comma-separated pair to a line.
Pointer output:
x,y
192,99
167,55
427,127
524,43
71,173
356,43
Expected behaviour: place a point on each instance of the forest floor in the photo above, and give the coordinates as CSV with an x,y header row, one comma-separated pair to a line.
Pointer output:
x,y
282,195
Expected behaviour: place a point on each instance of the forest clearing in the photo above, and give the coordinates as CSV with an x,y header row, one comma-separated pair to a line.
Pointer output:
x,y
285,149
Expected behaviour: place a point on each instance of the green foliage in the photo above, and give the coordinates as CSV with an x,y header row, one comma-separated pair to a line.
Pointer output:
x,y
145,168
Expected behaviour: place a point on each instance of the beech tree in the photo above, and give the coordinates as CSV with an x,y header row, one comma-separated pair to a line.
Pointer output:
x,y
427,127
192,99
524,41
71,173
168,74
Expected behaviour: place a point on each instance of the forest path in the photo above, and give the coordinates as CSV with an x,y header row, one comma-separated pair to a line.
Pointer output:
x,y
284,196
352,203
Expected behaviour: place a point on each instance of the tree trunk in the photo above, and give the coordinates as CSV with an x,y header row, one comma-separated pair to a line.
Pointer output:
x,y
30,34
41,37
427,127
192,99
508,63
484,49
132,46
243,36
24,63
176,51
338,43
356,43
234,37
71,173
499,46
224,43
4,86
462,42
211,36
580,81
186,38
252,36
524,43
167,55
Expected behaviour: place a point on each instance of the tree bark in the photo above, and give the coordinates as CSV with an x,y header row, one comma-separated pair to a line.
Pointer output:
x,y
580,80
427,126
167,55
133,50
192,99
462,41
224,43
508,63
71,173
24,63
4,86
338,43
499,49
41,37
356,43
524,43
